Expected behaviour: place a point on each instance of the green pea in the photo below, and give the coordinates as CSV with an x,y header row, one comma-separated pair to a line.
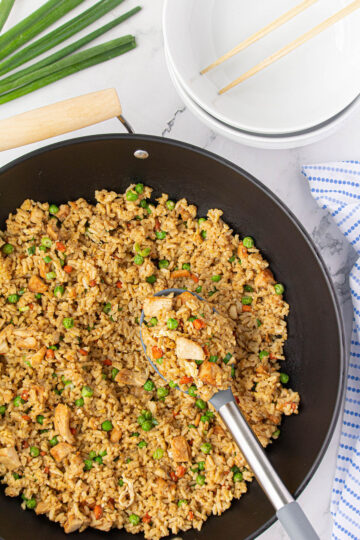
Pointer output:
x,y
68,322
79,402
53,209
246,300
162,392
258,322
248,242
201,220
134,519
172,384
182,501
7,249
107,308
206,448
38,296
158,453
98,460
263,354
201,465
139,188
31,504
284,378
237,477
201,404
149,386
151,279
170,205
147,425
114,372
138,259
54,441
144,204
34,451
153,321
163,263
31,250
47,259
192,390
198,289
88,464
200,479
131,196
203,234
59,290
172,324
46,242
40,419
227,358
213,358
186,266
13,298
160,235
87,391
216,277
92,454
121,482
18,401
107,425
142,444
279,288
276,434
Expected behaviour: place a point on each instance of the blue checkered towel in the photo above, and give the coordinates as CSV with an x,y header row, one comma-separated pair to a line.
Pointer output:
x,y
336,186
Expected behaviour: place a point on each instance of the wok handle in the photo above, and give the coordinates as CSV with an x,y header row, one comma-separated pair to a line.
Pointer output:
x,y
288,511
59,118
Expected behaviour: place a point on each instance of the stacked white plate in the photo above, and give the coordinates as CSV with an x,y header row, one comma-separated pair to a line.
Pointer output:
x,y
298,100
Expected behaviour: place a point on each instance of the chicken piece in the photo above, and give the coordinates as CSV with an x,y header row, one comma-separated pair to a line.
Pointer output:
x,y
115,435
62,423
165,488
127,495
188,350
63,212
27,343
36,215
9,458
37,285
180,449
44,268
185,297
38,357
42,507
210,373
61,450
4,334
264,278
102,525
154,305
132,378
52,230
76,465
72,524
218,431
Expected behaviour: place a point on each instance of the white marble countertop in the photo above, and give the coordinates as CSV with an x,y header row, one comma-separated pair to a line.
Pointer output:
x,y
152,106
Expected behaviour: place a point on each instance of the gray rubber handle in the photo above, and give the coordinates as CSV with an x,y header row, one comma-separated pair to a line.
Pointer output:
x,y
295,523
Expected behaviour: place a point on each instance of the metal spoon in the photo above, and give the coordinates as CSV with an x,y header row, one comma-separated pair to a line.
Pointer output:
x,y
287,509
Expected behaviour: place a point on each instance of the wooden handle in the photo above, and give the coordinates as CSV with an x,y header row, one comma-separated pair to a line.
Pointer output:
x,y
345,12
59,118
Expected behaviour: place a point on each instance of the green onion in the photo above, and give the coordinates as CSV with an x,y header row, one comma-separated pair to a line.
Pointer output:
x,y
50,275
107,308
227,358
276,434
151,279
68,322
59,291
200,479
2,410
142,444
248,242
40,419
279,288
79,402
158,453
200,403
160,235
114,372
198,289
46,242
170,205
18,401
262,354
206,448
47,259
213,358
31,250
68,66
13,298
5,8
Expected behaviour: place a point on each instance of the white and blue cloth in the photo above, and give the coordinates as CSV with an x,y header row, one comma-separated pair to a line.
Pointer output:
x,y
336,187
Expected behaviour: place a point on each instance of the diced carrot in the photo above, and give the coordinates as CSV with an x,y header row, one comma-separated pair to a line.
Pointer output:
x,y
68,269
92,283
60,246
31,306
73,430
157,353
50,353
146,518
186,380
173,476
119,284
246,308
272,357
242,251
179,274
98,511
199,324
83,352
191,515
180,471
107,362
42,453
26,417
25,395
157,225
46,470
194,278
293,406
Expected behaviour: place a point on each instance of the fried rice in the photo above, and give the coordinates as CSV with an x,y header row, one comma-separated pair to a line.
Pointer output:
x,y
83,438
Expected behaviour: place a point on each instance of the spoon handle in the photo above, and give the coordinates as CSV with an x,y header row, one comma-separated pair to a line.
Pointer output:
x,y
288,511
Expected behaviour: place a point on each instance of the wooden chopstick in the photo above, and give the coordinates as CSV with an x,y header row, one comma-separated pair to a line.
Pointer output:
x,y
294,44
261,33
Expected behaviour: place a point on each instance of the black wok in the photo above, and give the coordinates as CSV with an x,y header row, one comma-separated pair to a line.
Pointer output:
x,y
314,350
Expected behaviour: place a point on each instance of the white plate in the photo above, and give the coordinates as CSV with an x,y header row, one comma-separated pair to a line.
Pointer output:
x,y
304,89
261,141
